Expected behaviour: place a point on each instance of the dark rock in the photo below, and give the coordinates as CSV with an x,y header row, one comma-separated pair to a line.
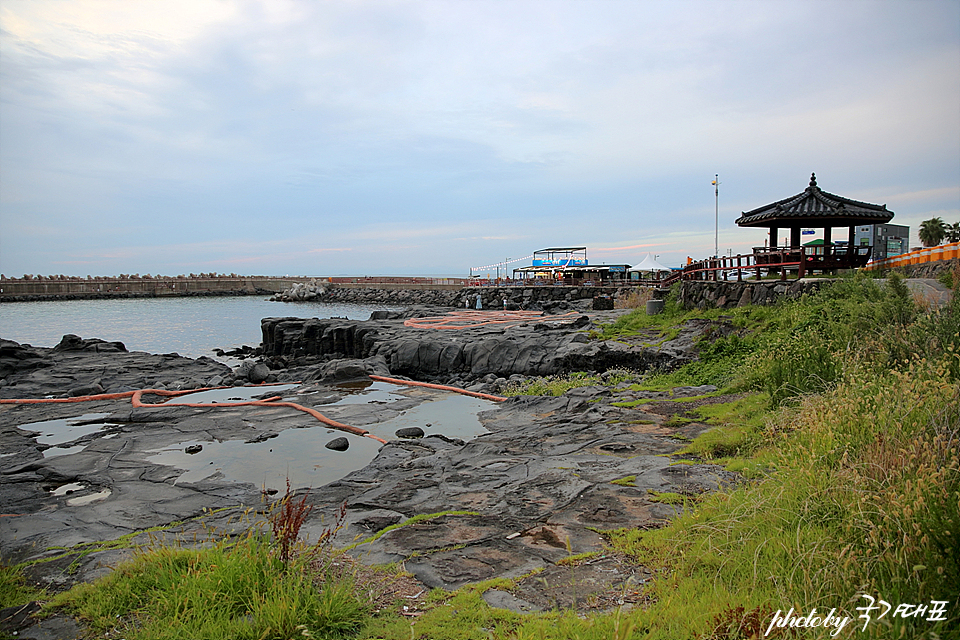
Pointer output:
x,y
13,619
71,342
194,448
603,303
338,444
375,523
258,373
263,437
86,390
410,432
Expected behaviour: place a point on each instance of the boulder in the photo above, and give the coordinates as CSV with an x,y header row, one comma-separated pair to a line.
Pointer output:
x,y
258,373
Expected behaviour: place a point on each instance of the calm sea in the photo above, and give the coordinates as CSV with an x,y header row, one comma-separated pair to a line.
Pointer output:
x,y
189,326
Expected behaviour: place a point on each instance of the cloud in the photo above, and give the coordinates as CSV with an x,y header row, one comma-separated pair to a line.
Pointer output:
x,y
431,136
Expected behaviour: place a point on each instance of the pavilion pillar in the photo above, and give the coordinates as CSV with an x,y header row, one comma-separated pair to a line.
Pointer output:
x,y
827,238
851,247
794,237
773,236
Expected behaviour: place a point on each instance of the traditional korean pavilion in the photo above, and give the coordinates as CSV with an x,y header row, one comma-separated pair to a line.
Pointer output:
x,y
817,209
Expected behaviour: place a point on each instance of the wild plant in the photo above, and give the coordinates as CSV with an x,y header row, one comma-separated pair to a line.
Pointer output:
x,y
286,518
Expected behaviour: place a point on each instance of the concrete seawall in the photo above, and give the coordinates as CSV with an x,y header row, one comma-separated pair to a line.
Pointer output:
x,y
14,290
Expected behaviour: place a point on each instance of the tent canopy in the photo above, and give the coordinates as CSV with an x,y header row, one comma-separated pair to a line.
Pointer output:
x,y
650,264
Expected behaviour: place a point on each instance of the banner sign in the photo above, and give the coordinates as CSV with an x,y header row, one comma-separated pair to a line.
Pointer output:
x,y
571,262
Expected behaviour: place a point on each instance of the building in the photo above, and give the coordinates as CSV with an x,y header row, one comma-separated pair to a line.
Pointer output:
x,y
569,265
887,240
817,209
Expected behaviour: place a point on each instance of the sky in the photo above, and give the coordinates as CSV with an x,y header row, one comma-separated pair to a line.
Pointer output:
x,y
396,137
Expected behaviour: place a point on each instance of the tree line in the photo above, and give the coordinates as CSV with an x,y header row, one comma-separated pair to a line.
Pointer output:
x,y
935,230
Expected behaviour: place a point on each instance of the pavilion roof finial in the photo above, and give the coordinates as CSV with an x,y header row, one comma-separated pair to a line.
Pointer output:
x,y
813,180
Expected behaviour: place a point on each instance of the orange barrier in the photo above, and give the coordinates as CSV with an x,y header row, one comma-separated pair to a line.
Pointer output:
x,y
136,401
468,319
442,387
920,256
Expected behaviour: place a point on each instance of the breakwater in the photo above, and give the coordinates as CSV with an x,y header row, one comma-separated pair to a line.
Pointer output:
x,y
63,288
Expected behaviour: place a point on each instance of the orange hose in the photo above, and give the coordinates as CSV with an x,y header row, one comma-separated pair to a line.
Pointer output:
x,y
136,401
442,387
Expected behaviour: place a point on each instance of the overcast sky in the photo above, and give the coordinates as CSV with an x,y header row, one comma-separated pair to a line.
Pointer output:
x,y
428,137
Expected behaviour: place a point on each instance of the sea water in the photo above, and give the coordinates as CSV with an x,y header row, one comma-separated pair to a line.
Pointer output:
x,y
190,326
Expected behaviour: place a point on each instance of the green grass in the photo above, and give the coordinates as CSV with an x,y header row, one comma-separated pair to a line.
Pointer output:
x,y
559,384
14,590
229,590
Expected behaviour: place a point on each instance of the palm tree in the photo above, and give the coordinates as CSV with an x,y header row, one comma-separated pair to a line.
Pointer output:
x,y
932,231
953,232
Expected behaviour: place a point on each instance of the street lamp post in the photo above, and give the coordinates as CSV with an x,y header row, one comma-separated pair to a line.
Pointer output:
x,y
716,215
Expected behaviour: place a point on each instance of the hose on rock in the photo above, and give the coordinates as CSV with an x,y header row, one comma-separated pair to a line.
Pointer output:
x,y
137,401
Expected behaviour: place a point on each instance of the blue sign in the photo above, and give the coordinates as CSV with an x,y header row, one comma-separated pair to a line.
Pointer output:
x,y
563,262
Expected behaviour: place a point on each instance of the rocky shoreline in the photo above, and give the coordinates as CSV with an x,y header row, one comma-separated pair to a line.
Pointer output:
x,y
539,483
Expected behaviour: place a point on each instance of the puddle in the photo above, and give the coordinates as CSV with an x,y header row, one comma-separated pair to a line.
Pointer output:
x,y
368,392
55,432
451,414
87,499
67,488
54,452
79,501
295,453
234,394
300,454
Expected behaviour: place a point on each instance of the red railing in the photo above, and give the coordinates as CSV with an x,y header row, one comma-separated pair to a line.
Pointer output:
x,y
802,260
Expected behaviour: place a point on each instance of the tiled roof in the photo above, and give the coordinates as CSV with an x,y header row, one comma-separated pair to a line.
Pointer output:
x,y
815,206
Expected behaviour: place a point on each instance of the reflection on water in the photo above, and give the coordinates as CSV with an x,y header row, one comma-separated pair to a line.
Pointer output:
x,y
189,326
234,394
300,454
55,432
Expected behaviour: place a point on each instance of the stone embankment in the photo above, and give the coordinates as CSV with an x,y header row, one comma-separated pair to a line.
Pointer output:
x,y
930,269
516,297
700,294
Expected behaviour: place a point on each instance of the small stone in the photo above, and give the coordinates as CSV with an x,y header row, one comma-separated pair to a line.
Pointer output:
x,y
338,444
194,448
410,432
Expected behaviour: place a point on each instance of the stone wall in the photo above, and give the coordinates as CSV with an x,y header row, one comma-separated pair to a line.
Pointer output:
x,y
490,297
704,294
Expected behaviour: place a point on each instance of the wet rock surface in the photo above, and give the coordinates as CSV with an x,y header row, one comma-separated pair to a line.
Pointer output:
x,y
534,489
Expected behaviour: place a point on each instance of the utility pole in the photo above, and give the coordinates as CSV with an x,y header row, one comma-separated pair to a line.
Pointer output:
x,y
716,215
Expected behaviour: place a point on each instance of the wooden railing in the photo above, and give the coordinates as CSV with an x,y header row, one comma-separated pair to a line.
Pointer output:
x,y
802,260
